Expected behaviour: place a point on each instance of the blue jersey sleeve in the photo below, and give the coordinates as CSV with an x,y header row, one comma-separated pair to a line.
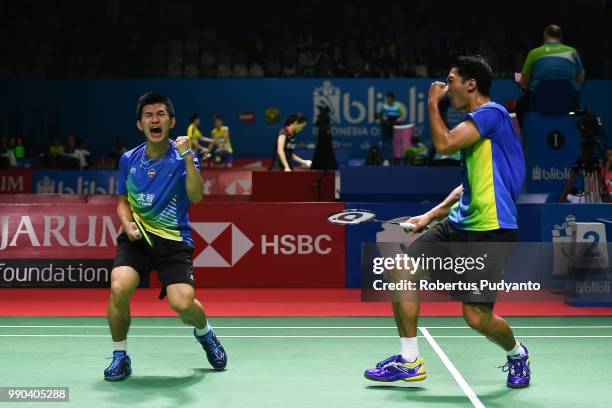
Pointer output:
x,y
486,120
122,179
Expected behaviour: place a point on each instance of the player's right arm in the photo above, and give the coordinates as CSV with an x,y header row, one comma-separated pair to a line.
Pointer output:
x,y
438,212
124,212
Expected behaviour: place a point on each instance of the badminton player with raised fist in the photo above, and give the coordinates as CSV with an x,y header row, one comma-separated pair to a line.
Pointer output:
x,y
157,182
482,210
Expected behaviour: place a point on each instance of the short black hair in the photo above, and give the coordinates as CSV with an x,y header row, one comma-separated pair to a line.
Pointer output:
x,y
553,31
217,117
476,68
295,117
193,117
390,95
149,99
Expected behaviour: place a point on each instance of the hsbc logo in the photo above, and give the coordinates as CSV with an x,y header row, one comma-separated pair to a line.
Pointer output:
x,y
225,244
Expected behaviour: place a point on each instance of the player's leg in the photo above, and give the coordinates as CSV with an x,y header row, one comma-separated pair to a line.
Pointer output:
x,y
478,306
480,317
124,280
408,365
181,297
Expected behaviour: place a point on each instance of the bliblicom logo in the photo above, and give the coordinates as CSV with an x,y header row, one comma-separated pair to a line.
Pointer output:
x,y
352,116
550,174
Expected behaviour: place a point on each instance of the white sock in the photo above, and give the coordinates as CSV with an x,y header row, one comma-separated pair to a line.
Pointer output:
x,y
517,351
409,349
120,345
205,330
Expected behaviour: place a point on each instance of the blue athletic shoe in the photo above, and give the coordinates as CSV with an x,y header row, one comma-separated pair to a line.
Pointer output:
x,y
518,370
396,368
120,368
213,348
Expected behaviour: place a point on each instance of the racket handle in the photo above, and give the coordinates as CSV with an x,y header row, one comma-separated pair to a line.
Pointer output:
x,y
407,225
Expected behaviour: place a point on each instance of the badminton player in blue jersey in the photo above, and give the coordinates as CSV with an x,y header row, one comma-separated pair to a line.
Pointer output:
x,y
480,211
157,182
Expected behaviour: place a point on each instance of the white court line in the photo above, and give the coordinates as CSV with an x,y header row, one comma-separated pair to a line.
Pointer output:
x,y
290,336
291,327
467,390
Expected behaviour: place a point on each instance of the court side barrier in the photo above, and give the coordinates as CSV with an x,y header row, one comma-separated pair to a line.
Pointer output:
x,y
70,241
397,183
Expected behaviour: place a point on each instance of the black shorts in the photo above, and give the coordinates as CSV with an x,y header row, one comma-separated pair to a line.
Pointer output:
x,y
446,241
171,259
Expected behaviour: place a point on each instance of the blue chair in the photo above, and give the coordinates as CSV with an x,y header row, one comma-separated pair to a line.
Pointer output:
x,y
552,97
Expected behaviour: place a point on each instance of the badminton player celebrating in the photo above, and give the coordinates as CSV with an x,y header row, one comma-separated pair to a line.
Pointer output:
x,y
157,181
481,210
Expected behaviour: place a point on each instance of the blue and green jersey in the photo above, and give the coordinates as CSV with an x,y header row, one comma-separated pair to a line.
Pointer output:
x,y
551,61
493,171
156,190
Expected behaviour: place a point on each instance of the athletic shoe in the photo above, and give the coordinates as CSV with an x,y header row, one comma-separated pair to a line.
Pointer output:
x,y
518,370
396,368
213,348
120,368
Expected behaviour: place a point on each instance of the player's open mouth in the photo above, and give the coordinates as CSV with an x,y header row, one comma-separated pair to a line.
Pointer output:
x,y
156,131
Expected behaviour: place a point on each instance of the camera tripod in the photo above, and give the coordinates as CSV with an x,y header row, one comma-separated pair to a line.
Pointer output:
x,y
587,167
594,187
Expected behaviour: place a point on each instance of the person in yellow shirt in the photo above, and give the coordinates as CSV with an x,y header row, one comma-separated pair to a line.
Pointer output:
x,y
221,146
194,134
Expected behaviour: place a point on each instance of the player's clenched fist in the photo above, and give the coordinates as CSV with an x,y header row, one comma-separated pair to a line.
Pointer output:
x,y
437,90
182,144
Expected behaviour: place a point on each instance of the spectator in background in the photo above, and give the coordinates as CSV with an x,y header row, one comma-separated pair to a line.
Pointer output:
x,y
220,146
55,148
7,157
19,150
82,154
417,153
390,115
69,160
52,156
374,157
12,144
289,69
551,61
195,135
116,153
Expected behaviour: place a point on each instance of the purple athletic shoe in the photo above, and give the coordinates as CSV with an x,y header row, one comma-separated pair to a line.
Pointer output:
x,y
518,370
396,368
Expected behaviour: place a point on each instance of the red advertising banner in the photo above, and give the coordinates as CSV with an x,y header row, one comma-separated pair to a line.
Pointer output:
x,y
226,182
267,245
237,244
58,231
15,181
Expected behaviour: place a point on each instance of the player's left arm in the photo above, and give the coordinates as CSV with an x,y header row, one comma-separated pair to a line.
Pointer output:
x,y
193,181
444,140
